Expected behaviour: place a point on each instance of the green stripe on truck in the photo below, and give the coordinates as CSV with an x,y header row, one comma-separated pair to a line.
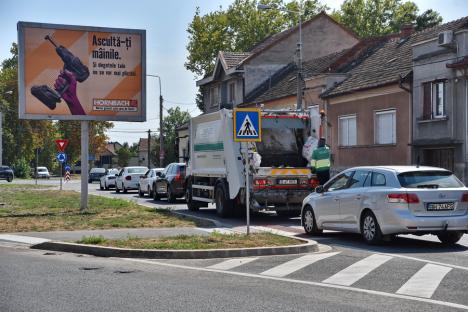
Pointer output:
x,y
209,147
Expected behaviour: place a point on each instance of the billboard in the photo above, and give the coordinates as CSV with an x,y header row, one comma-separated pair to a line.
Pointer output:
x,y
81,73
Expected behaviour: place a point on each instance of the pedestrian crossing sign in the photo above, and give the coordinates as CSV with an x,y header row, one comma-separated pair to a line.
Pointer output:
x,y
247,125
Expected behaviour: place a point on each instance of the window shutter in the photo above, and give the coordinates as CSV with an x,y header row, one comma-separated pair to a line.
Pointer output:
x,y
427,101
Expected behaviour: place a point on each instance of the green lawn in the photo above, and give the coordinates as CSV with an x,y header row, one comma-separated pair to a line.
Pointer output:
x,y
24,186
212,241
24,210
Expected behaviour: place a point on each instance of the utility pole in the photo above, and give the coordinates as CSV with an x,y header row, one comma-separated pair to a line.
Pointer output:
x,y
161,137
1,139
149,148
299,64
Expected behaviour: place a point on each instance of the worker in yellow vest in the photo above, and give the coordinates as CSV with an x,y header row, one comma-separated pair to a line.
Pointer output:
x,y
320,162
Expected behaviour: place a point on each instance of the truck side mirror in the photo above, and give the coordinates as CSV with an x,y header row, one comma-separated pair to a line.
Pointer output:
x,y
319,189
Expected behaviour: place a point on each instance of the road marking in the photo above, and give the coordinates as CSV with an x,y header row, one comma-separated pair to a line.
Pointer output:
x,y
23,239
357,270
425,281
231,264
453,266
296,264
309,283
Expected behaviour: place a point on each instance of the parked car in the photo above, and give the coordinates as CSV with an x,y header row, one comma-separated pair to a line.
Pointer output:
x,y
128,178
95,174
6,173
385,201
148,181
42,173
108,180
171,183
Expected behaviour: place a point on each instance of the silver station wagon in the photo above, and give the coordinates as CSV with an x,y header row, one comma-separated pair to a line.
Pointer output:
x,y
379,202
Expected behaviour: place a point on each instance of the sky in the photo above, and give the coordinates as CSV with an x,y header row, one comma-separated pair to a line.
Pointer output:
x,y
165,23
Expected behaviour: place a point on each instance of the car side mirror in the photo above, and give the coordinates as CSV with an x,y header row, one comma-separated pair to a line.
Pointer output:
x,y
158,174
319,189
142,177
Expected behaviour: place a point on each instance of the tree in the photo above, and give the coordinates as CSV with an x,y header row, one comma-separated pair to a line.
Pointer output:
x,y
428,18
21,137
174,120
124,154
379,17
238,28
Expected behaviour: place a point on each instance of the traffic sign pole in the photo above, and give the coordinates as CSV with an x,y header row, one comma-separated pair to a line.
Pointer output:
x,y
247,125
61,175
247,187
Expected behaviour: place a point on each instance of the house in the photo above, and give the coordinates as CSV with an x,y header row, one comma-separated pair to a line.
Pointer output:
x,y
237,74
183,142
364,91
440,97
143,153
108,158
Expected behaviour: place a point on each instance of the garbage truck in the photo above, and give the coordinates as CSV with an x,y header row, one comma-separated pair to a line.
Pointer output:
x,y
279,178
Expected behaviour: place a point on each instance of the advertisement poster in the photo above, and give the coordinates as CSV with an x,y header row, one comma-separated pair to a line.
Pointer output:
x,y
81,73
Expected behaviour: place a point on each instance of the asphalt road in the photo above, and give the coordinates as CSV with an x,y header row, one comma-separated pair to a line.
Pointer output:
x,y
407,274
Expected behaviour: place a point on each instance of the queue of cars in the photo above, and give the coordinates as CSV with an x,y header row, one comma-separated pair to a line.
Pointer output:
x,y
157,183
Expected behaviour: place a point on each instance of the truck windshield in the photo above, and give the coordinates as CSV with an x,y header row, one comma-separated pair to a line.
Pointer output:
x,y
281,147
429,179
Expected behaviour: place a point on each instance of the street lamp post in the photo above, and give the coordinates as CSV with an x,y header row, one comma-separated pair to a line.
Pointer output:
x,y
161,139
299,49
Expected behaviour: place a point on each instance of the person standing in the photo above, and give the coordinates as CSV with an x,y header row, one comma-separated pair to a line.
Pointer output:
x,y
320,162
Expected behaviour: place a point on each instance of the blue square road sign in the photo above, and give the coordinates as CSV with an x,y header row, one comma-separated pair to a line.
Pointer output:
x,y
247,125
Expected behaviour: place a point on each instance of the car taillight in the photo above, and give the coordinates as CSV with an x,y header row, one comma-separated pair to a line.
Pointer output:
x,y
403,198
313,183
465,198
260,182
128,178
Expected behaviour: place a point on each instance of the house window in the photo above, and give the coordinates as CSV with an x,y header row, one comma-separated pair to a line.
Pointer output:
x,y
385,127
232,92
347,130
434,99
214,96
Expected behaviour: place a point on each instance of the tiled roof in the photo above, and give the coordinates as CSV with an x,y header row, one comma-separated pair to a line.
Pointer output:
x,y
113,147
390,62
338,62
232,59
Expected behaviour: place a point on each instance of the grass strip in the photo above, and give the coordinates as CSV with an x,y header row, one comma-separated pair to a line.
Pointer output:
x,y
214,240
32,210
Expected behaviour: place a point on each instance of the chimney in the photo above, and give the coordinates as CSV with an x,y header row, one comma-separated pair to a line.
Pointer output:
x,y
406,30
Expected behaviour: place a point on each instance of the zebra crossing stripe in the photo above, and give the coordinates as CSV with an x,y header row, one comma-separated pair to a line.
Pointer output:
x,y
425,282
296,264
231,264
357,270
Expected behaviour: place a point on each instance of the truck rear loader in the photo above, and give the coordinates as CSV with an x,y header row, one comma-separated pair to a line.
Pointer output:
x,y
215,171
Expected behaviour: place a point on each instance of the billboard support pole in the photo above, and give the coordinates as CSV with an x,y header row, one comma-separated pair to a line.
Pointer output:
x,y
84,165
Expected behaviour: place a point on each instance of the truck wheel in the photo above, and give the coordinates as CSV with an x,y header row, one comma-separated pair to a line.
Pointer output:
x,y
223,203
191,205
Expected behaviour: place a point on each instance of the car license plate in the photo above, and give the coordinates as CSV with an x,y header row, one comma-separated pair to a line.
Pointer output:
x,y
440,206
287,182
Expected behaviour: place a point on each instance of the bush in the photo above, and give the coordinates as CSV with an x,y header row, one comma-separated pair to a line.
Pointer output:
x,y
21,168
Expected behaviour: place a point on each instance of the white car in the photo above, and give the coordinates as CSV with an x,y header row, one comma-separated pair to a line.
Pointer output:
x,y
128,178
148,181
384,201
42,173
108,180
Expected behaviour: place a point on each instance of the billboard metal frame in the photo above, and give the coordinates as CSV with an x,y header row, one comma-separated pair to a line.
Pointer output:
x,y
22,99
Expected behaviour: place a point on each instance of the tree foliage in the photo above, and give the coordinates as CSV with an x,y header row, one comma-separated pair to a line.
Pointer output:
x,y
175,119
379,17
238,28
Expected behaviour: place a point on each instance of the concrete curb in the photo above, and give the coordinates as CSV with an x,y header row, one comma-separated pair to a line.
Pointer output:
x,y
100,251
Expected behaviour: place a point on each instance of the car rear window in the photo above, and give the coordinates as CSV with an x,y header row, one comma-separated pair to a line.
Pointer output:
x,y
429,179
98,170
41,170
182,170
137,170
